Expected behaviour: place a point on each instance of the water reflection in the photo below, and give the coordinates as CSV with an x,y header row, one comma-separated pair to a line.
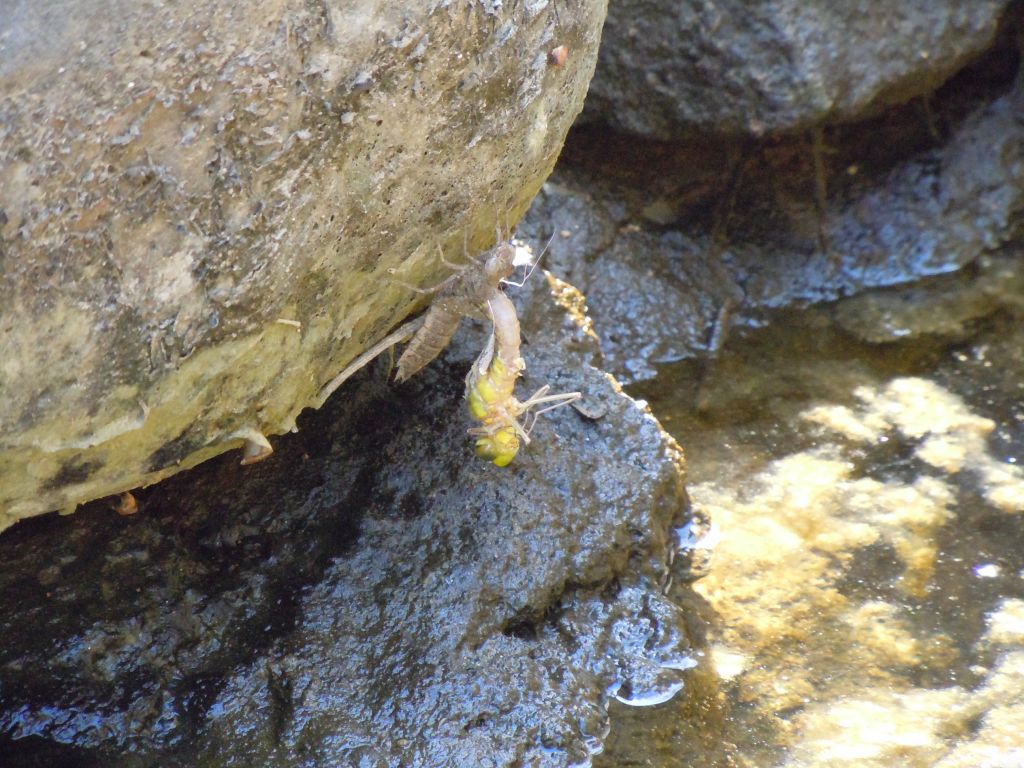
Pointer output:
x,y
861,464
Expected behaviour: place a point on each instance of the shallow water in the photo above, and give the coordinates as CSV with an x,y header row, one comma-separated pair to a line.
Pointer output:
x,y
859,466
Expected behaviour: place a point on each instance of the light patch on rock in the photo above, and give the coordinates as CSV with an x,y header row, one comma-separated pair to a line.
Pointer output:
x,y
951,437
883,628
878,728
808,503
794,536
1006,624
728,663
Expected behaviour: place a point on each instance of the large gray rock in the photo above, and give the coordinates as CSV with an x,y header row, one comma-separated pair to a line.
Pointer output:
x,y
372,595
739,67
177,178
663,284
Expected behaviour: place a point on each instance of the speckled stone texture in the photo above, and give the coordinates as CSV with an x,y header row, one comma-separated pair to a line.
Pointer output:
x,y
178,178
670,68
674,243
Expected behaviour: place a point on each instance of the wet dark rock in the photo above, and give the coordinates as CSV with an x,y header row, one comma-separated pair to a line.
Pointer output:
x,y
670,68
947,307
371,595
816,429
676,243
176,179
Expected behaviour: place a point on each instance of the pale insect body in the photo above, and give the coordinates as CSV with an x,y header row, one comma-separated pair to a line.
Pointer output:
x,y
460,295
490,389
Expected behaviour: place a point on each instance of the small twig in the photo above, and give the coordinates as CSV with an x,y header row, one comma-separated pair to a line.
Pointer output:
x,y
820,183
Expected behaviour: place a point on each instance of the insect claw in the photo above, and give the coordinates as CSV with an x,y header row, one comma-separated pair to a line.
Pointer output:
x,y
256,447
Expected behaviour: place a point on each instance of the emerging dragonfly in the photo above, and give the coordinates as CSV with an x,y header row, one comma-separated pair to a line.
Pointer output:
x,y
490,389
490,384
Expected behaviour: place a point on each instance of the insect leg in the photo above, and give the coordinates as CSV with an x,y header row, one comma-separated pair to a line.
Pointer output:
x,y
432,289
403,333
539,398
451,265
557,401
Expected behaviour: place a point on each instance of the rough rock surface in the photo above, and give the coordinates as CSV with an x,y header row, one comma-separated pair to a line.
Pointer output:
x,y
739,67
670,256
176,178
371,595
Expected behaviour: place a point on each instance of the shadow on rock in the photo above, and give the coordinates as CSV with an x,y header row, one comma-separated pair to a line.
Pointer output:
x,y
371,595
